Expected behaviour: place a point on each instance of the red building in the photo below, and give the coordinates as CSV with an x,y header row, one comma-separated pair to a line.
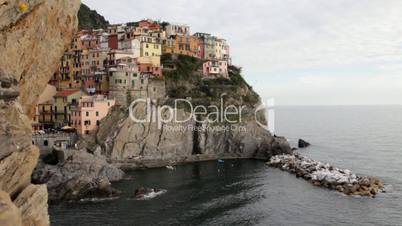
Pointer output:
x,y
113,41
150,24
201,49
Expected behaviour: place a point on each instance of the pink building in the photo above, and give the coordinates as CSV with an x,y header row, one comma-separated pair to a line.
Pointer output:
x,y
86,116
215,68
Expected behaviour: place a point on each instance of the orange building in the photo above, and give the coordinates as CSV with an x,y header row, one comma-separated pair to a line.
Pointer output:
x,y
180,44
150,65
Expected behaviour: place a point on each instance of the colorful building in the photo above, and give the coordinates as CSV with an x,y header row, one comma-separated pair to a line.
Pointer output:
x,y
184,45
63,100
177,29
69,74
93,60
208,45
150,46
101,83
131,45
215,69
44,114
149,24
151,65
118,56
221,49
86,116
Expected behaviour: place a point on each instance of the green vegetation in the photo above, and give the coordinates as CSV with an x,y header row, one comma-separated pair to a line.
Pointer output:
x,y
183,75
90,19
132,24
185,67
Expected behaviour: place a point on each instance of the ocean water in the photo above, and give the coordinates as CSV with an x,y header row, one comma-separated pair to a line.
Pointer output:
x,y
365,139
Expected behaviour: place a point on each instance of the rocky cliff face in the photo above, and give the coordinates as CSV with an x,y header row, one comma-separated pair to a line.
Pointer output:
x,y
131,144
33,36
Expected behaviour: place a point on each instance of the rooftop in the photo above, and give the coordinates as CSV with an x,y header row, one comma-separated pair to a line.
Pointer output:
x,y
65,93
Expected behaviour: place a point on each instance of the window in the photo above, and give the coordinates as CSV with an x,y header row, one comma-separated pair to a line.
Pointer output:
x,y
46,143
132,83
87,114
97,114
97,122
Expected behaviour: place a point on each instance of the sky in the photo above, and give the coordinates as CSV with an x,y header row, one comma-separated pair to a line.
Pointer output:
x,y
299,52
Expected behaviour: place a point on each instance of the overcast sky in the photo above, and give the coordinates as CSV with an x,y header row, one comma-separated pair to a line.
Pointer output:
x,y
300,52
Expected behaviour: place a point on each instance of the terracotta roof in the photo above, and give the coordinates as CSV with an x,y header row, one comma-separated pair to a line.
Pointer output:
x,y
65,93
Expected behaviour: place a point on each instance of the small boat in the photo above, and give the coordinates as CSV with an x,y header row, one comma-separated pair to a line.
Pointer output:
x,y
170,167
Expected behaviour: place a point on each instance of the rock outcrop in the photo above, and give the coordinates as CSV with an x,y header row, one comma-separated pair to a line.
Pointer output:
x,y
131,144
81,175
303,144
33,37
325,175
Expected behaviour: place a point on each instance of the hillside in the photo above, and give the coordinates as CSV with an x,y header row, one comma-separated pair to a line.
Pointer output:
x,y
183,76
90,19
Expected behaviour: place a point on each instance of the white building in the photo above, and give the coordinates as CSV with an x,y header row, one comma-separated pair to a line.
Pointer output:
x,y
177,29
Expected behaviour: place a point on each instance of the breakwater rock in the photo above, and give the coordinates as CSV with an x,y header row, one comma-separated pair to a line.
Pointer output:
x,y
325,175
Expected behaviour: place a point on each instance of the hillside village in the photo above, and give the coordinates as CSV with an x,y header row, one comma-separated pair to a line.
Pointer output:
x,y
107,67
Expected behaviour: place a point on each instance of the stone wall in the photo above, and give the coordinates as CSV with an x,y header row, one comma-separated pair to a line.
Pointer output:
x,y
33,37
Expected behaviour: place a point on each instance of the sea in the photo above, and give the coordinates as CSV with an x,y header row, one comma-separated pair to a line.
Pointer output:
x,y
364,139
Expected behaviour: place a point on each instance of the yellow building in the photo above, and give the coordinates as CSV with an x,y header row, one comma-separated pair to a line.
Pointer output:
x,y
102,82
63,100
149,49
69,73
44,114
150,45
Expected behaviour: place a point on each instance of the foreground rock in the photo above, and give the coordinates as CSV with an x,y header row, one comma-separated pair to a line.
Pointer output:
x,y
32,40
10,215
325,175
81,175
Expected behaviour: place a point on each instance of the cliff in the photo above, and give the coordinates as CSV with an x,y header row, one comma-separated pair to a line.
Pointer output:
x,y
132,144
33,37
